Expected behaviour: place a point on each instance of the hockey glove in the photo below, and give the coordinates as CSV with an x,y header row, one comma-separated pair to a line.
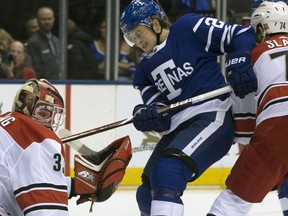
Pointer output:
x,y
146,118
240,73
97,176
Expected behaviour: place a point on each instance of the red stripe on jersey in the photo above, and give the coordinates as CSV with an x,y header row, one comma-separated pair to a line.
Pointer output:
x,y
33,197
277,41
244,125
272,93
31,131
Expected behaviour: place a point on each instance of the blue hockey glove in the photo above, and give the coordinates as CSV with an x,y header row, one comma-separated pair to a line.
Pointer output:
x,y
146,118
240,73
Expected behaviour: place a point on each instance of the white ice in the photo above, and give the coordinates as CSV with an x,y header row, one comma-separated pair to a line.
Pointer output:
x,y
197,203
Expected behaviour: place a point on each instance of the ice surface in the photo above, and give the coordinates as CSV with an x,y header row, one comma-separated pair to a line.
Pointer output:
x,y
197,203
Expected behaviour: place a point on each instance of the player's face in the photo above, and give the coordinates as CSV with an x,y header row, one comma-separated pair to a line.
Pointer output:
x,y
144,38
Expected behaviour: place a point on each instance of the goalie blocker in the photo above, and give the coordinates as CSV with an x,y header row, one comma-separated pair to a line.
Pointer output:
x,y
98,175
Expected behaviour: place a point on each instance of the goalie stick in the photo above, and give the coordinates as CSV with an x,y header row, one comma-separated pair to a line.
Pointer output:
x,y
171,107
83,149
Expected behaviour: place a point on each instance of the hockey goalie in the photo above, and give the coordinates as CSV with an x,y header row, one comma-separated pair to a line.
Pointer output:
x,y
32,181
98,175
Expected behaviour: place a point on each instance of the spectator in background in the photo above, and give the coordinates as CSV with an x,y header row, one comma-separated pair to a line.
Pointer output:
x,y
20,69
81,63
6,66
6,61
12,64
125,59
31,26
43,46
5,40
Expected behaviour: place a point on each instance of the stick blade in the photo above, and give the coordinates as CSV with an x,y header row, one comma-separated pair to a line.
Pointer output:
x,y
76,144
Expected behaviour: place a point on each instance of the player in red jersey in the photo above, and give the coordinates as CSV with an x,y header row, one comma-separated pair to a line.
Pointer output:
x,y
263,163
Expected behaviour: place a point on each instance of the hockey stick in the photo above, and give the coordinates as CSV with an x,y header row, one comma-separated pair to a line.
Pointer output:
x,y
76,144
171,107
83,149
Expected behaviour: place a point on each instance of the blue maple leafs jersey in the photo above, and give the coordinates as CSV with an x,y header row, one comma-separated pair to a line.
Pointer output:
x,y
185,64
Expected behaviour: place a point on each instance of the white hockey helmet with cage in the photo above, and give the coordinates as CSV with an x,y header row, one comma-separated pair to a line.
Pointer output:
x,y
272,16
41,101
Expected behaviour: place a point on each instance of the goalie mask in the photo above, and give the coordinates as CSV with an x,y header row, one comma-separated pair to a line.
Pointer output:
x,y
272,16
40,100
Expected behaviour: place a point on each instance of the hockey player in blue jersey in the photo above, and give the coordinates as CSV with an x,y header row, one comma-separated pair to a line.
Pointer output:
x,y
181,63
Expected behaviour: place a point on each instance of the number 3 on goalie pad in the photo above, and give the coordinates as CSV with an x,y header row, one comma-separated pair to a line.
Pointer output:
x,y
100,174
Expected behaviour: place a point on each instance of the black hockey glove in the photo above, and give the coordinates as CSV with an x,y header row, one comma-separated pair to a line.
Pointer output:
x,y
146,118
240,73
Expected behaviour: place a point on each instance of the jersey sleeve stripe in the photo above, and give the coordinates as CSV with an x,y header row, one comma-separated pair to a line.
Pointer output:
x,y
198,24
242,30
46,207
209,39
245,125
224,35
42,198
145,89
229,36
153,98
270,94
41,186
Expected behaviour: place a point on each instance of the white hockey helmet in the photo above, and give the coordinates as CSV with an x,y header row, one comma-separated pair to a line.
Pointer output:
x,y
41,101
272,16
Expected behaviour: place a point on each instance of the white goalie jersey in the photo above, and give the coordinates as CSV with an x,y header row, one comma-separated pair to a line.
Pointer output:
x,y
31,169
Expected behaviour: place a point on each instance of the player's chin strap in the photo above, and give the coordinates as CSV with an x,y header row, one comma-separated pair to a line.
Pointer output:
x,y
158,35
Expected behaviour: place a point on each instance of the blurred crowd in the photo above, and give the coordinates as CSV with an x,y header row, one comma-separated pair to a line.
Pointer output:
x,y
30,46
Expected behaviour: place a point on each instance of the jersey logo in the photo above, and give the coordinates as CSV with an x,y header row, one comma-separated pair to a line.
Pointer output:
x,y
86,175
167,75
235,61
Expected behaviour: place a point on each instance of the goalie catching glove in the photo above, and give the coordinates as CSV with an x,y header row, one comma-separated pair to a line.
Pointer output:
x,y
240,73
97,176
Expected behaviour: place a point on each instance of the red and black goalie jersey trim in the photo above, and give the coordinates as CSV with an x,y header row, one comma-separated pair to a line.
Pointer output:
x,y
42,196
